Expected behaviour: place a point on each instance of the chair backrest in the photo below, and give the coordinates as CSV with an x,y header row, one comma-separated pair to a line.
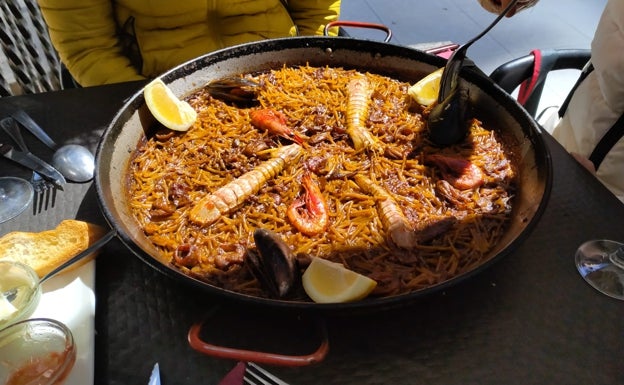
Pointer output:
x,y
515,72
28,64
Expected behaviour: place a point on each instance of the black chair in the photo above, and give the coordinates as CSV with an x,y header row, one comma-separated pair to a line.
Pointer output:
x,y
523,72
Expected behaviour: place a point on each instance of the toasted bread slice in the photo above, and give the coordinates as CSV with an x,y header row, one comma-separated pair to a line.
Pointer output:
x,y
46,250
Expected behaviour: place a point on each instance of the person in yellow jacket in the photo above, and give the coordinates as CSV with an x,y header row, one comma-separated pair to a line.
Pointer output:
x,y
111,41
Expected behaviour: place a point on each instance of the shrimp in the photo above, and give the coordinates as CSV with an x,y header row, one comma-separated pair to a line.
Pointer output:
x,y
309,214
394,221
225,199
360,91
460,173
274,122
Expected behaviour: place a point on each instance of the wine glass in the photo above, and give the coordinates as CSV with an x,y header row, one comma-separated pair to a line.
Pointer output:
x,y
15,195
601,264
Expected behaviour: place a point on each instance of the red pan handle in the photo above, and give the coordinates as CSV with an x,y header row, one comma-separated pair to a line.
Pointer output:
x,y
358,24
275,359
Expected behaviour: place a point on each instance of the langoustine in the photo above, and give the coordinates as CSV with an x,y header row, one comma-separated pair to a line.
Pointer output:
x,y
399,229
225,199
309,213
360,92
275,122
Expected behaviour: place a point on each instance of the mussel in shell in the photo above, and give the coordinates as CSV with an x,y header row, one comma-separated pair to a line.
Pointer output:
x,y
234,89
273,263
448,121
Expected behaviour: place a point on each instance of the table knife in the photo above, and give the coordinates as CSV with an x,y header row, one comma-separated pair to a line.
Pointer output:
x,y
155,376
32,162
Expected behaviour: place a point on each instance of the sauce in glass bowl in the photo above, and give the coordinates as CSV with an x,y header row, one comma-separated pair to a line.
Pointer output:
x,y
37,351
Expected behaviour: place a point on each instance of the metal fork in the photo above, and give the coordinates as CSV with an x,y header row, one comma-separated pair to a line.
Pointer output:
x,y
45,193
255,375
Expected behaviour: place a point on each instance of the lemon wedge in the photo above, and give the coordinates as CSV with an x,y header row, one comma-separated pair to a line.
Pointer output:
x,y
426,90
329,282
170,111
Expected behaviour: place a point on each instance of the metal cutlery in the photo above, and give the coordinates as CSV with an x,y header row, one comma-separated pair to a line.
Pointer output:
x,y
25,157
43,190
250,373
448,119
25,120
155,376
33,163
243,373
255,375
74,161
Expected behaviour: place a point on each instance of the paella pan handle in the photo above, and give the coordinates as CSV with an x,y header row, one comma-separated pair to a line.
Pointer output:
x,y
358,24
197,343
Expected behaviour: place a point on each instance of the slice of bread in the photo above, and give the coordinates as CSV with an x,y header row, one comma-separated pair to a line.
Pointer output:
x,y
46,250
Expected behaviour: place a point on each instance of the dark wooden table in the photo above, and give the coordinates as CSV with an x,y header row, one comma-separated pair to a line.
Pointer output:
x,y
528,319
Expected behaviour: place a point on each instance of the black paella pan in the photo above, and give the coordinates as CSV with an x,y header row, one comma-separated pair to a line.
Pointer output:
x,y
491,105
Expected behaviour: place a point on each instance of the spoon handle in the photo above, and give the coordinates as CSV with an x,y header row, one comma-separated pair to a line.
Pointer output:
x,y
25,120
96,245
492,24
448,81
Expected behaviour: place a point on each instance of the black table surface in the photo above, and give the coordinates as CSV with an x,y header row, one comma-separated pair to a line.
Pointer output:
x,y
528,319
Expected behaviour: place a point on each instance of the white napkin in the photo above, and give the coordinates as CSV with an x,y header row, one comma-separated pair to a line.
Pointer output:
x,y
69,297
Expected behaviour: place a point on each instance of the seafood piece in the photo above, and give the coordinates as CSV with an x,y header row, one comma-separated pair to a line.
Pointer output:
x,y
234,89
186,255
275,123
460,173
448,122
336,169
451,194
360,91
309,213
426,231
255,146
273,263
332,167
225,199
401,231
394,221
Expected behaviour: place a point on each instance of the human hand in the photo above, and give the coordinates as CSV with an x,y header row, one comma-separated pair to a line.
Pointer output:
x,y
584,162
497,6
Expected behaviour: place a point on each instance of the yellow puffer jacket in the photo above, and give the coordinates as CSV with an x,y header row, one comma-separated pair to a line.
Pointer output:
x,y
110,41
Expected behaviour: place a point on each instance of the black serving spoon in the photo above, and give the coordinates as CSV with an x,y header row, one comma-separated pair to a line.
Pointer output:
x,y
448,120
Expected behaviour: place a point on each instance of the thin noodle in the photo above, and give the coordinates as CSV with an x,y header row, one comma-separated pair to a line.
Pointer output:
x,y
168,176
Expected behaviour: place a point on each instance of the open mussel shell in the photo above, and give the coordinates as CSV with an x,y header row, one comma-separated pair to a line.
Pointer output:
x,y
448,121
273,263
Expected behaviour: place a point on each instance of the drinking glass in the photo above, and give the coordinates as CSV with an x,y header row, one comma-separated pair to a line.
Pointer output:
x,y
15,195
601,263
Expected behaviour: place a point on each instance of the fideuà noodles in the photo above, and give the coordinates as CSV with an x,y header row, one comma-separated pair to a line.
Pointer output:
x,y
455,228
